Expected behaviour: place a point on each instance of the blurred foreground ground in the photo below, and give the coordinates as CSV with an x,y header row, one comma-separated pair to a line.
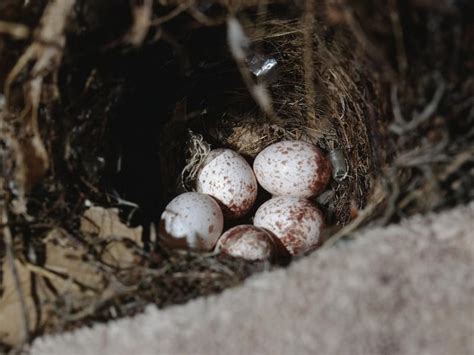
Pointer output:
x,y
404,289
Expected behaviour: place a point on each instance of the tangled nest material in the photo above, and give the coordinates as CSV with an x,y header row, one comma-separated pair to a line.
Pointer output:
x,y
385,85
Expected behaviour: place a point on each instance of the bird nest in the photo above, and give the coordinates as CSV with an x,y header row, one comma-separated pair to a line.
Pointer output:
x,y
105,118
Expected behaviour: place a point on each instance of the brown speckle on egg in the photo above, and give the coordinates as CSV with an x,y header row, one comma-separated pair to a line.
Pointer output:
x,y
292,168
295,221
252,243
228,178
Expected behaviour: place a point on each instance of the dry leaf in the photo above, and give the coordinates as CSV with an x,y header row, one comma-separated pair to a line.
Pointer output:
x,y
68,259
11,323
73,280
120,239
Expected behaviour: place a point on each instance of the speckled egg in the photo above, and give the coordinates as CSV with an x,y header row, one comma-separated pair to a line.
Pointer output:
x,y
295,221
247,242
228,178
292,168
191,221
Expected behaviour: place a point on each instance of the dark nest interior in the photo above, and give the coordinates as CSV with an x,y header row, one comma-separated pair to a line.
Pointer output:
x,y
111,104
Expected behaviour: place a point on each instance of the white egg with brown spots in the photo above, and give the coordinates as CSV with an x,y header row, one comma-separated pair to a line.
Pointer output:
x,y
292,168
247,242
228,178
191,221
295,221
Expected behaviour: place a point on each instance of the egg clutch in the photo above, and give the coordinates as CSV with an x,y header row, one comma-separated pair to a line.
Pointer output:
x,y
226,188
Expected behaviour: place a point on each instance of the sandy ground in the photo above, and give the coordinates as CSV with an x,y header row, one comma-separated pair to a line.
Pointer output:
x,y
404,289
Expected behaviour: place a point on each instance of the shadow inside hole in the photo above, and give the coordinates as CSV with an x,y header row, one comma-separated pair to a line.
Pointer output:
x,y
168,90
152,84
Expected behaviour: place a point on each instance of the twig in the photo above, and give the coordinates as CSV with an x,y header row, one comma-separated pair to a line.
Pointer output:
x,y
399,37
113,290
432,106
369,48
377,198
16,30
58,276
423,155
169,16
41,59
10,257
202,18
308,62
141,23
396,110
401,126
239,44
457,161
